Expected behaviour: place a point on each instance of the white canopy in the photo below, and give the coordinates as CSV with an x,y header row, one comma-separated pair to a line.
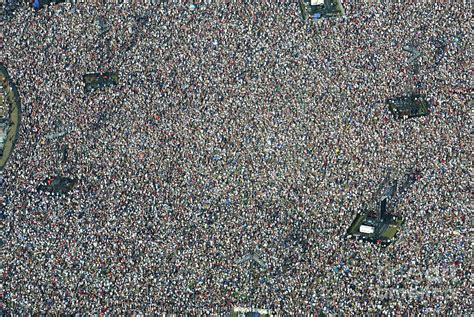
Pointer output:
x,y
317,2
366,229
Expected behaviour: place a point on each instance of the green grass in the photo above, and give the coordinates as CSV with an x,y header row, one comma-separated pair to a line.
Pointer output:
x,y
339,8
304,10
354,228
392,229
390,232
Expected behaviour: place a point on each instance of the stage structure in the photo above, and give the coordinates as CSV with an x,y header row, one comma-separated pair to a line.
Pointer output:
x,y
378,223
100,80
320,9
57,184
408,106
411,104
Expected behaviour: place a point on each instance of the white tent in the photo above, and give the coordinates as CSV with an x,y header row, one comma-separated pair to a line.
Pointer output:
x,y
317,2
366,229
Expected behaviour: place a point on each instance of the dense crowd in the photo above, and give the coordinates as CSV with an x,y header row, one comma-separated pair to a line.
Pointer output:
x,y
235,129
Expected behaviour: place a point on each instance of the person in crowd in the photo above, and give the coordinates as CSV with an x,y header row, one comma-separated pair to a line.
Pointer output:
x,y
235,128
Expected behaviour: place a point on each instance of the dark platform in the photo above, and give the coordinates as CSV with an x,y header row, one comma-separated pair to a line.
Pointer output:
x,y
384,229
331,8
409,106
57,184
100,80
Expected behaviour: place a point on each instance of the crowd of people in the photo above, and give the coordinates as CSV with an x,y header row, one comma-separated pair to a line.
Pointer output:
x,y
235,129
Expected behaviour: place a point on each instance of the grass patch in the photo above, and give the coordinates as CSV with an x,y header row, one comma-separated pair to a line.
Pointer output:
x,y
339,9
354,228
392,229
304,10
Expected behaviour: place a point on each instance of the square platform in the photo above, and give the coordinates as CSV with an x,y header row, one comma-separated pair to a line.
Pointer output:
x,y
322,9
409,106
100,80
381,231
